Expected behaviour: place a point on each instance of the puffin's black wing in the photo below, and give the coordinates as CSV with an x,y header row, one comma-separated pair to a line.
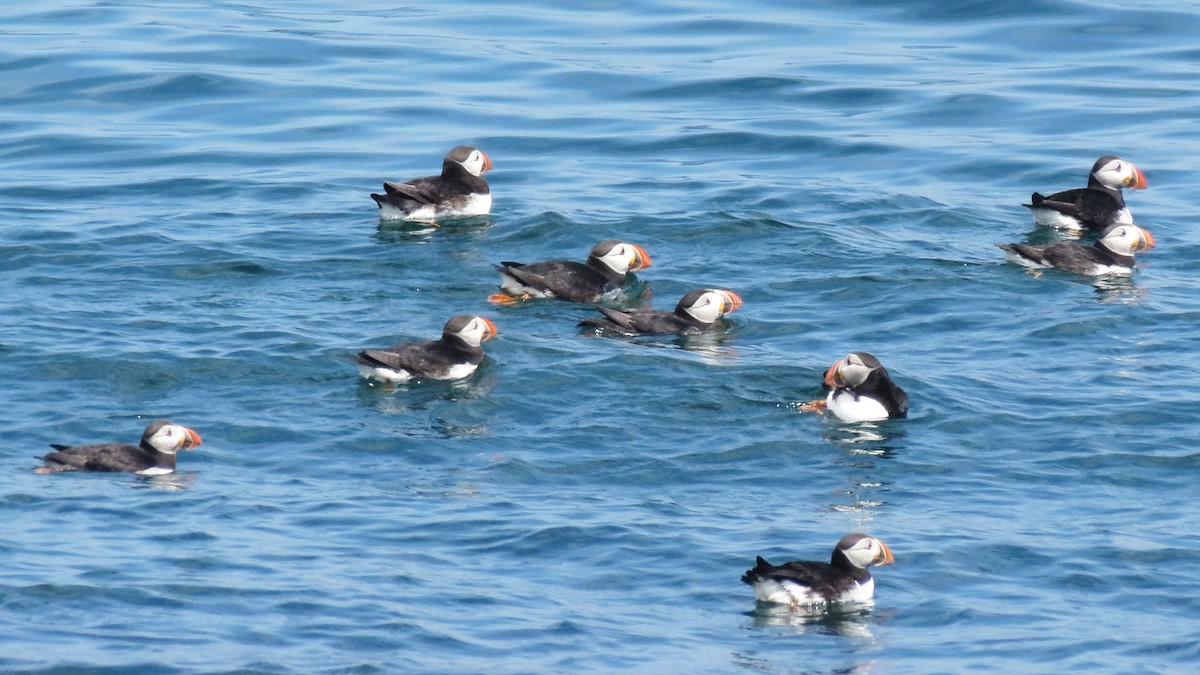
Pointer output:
x,y
427,190
526,275
899,405
413,357
613,320
823,578
660,322
1074,255
565,279
1091,207
1032,253
101,457
642,322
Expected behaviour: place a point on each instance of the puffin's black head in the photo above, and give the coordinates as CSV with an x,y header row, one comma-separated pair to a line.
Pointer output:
x,y
862,551
707,305
618,256
167,437
471,160
469,329
1115,173
1125,239
853,370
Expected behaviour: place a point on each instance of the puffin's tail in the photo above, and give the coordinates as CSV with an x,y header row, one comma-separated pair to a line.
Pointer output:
x,y
761,568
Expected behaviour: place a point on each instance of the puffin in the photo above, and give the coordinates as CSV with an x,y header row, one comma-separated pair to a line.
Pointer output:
x,y
860,390
459,192
697,312
1112,253
454,356
814,584
154,455
1096,206
605,270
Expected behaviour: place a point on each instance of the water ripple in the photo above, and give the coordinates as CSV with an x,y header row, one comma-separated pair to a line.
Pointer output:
x,y
189,235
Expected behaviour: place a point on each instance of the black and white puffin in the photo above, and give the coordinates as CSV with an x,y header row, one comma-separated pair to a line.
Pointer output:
x,y
605,270
1096,206
1112,253
459,192
860,390
153,456
698,311
456,355
812,584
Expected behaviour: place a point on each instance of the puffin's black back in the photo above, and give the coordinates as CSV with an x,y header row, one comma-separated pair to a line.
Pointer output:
x,y
641,322
107,457
824,579
566,279
880,387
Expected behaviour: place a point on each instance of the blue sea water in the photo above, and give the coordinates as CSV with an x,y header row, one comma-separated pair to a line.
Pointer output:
x,y
186,233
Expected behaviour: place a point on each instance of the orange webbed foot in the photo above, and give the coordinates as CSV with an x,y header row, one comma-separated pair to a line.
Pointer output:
x,y
505,300
818,406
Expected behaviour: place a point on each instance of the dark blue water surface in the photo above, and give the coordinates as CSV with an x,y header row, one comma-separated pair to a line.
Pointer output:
x,y
186,233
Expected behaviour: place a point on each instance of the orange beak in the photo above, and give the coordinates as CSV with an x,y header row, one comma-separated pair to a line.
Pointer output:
x,y
1146,241
885,556
831,375
193,439
641,258
733,300
491,327
487,163
1139,180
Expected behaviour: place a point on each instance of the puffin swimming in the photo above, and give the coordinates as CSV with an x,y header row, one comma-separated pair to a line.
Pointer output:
x,y
1112,253
154,455
605,270
1096,206
814,584
860,390
454,356
699,311
459,192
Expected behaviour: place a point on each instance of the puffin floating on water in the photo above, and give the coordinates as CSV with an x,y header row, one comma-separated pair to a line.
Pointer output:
x,y
1096,206
860,390
459,192
606,270
699,311
154,455
1112,253
455,355
813,584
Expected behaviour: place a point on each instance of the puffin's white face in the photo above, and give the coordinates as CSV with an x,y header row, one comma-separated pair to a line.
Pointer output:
x,y
477,331
476,163
1127,240
170,438
1118,173
713,304
624,257
866,551
850,372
